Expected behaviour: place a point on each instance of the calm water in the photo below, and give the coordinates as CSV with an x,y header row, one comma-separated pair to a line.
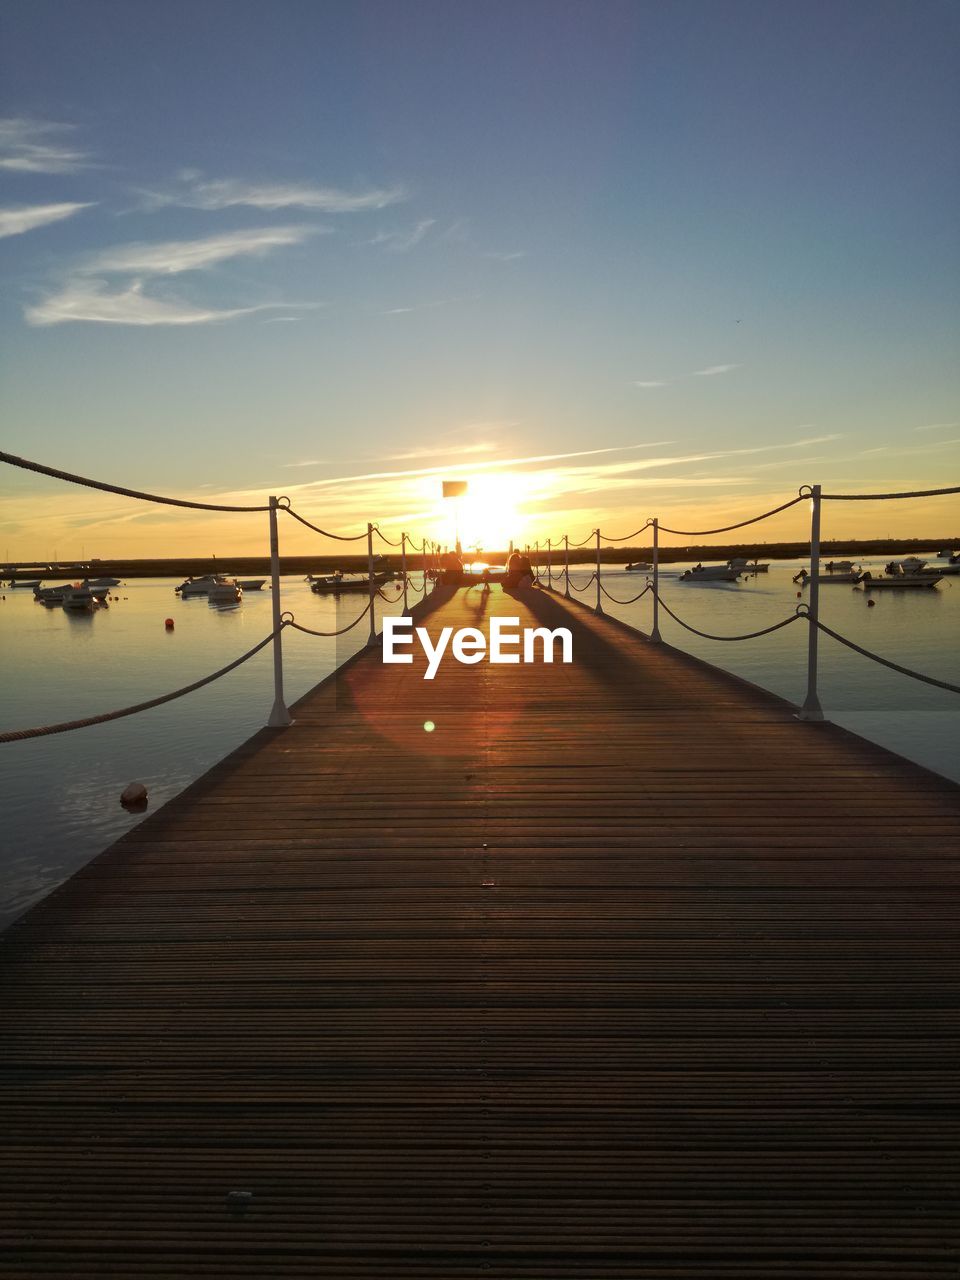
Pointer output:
x,y
60,795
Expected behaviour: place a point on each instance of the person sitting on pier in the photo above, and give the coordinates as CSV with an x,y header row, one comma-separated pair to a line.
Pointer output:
x,y
519,569
452,569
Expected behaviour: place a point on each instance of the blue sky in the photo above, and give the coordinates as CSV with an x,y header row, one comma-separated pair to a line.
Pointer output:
x,y
298,247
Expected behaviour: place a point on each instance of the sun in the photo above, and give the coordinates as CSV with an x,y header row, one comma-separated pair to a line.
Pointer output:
x,y
490,514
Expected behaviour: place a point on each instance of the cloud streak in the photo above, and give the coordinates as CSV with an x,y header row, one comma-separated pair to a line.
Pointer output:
x,y
228,193
92,301
14,222
38,146
171,257
712,370
403,241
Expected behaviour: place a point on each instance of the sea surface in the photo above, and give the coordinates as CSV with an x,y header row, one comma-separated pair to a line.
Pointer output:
x,y
60,794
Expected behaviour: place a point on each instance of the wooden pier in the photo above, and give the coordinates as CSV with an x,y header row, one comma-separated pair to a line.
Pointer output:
x,y
619,972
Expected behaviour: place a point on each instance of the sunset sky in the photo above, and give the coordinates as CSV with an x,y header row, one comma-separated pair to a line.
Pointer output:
x,y
604,260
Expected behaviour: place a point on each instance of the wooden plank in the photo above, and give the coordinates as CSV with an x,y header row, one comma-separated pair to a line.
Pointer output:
x,y
621,971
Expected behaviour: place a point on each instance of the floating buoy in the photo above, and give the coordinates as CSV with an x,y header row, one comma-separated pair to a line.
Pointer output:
x,y
871,603
168,623
134,796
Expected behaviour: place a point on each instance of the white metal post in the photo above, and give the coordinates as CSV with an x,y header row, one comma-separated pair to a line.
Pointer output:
x,y
811,709
655,633
372,638
549,565
279,716
566,563
536,561
403,567
599,608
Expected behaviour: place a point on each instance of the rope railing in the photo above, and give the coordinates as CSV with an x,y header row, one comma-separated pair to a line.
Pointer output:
x,y
748,635
384,538
886,497
606,537
632,600
290,621
742,524
338,537
18,735
885,662
574,586
87,483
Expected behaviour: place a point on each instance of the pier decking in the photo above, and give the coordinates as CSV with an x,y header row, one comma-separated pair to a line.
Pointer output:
x,y
621,971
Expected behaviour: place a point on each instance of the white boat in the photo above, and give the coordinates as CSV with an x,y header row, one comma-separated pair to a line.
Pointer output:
x,y
900,582
56,595
103,582
743,565
221,593
804,578
337,583
80,598
910,565
710,573
640,566
200,586
945,554
839,566
250,584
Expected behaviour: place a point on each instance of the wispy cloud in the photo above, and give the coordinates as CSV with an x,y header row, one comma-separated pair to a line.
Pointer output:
x,y
38,146
194,192
499,256
171,257
713,369
938,426
90,300
14,222
87,296
307,462
402,241
650,383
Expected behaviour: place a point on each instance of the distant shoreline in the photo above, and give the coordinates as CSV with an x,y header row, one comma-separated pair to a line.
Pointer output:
x,y
247,566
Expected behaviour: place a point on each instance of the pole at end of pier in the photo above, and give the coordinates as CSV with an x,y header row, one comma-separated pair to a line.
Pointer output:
x,y
549,564
811,709
371,589
279,716
655,636
566,564
599,608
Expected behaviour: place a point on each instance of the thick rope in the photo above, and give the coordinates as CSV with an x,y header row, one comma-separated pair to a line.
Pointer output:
x,y
585,585
626,538
885,497
14,461
632,600
338,537
288,621
376,530
589,538
390,599
750,635
699,533
884,662
18,735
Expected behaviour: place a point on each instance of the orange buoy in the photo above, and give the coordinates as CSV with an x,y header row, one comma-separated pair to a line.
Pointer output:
x,y
169,624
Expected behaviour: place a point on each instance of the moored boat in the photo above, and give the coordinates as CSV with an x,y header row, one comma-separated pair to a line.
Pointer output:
x,y
899,582
710,573
250,584
640,566
221,593
743,565
804,578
